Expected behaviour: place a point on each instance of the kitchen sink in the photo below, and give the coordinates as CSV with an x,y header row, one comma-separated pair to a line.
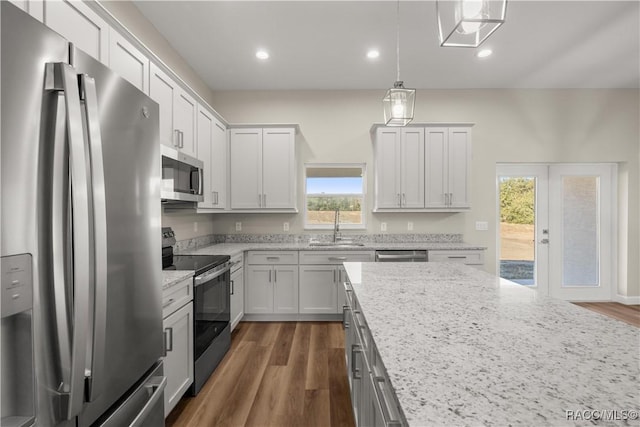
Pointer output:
x,y
338,244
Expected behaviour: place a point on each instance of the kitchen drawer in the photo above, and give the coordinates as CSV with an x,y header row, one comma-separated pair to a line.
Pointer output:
x,y
236,262
334,257
464,257
272,258
177,296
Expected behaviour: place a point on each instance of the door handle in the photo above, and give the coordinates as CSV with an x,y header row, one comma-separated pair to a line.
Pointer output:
x,y
62,78
545,241
168,340
99,243
176,138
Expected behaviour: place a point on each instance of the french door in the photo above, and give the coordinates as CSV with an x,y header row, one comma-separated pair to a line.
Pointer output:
x,y
557,228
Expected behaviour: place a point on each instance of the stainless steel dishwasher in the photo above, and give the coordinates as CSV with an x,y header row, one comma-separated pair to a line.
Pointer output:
x,y
401,256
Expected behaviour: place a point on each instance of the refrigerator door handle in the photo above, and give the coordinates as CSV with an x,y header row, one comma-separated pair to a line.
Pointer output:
x,y
62,77
155,387
95,383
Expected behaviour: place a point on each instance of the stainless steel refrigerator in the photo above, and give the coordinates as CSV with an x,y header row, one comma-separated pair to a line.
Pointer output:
x,y
80,237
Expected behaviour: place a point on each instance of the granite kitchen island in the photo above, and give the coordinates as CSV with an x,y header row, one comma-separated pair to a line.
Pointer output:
x,y
462,347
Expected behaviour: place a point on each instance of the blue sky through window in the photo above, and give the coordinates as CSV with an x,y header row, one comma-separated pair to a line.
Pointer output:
x,y
339,185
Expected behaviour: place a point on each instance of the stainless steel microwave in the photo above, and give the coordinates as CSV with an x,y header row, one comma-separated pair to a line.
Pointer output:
x,y
182,176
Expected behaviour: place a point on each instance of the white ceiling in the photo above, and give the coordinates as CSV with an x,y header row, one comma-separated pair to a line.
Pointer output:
x,y
323,44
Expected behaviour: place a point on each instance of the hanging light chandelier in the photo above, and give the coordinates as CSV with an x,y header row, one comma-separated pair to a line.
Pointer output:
x,y
468,23
398,102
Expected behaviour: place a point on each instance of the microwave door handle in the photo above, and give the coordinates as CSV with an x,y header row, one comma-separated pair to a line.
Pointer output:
x,y
62,77
99,244
200,181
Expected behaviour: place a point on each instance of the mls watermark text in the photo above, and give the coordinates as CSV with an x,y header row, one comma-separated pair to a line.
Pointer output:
x,y
601,414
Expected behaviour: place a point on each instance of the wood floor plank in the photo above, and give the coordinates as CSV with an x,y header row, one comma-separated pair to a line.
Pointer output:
x,y
341,413
317,375
335,335
626,313
317,412
241,397
282,345
263,333
265,410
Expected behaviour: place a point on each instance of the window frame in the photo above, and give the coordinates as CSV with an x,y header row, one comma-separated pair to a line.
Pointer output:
x,y
363,167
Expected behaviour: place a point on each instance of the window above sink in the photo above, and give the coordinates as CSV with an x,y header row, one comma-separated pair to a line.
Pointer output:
x,y
333,186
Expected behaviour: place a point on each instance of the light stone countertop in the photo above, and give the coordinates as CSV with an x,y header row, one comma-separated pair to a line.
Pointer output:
x,y
173,277
232,249
463,347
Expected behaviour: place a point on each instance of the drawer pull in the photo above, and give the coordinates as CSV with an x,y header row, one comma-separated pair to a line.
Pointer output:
x,y
457,257
168,303
337,258
273,258
355,372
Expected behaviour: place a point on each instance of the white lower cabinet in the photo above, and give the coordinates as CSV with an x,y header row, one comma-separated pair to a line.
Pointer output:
x,y
178,342
321,278
272,285
237,290
373,401
474,258
318,289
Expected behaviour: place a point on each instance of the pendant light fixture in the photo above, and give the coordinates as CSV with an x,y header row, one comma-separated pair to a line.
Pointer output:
x,y
468,23
398,102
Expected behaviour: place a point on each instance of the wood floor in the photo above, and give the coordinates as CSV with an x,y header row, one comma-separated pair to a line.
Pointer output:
x,y
627,313
275,374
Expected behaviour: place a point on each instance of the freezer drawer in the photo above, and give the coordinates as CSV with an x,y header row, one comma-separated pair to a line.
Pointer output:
x,y
144,406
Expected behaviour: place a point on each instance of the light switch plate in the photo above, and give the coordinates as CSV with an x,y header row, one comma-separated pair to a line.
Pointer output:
x,y
238,226
410,226
383,226
482,225
285,226
195,226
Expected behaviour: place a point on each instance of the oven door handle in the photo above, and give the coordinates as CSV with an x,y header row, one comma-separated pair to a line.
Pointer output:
x,y
206,277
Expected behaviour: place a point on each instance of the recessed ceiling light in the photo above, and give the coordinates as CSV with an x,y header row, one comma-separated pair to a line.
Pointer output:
x,y
262,54
373,54
484,53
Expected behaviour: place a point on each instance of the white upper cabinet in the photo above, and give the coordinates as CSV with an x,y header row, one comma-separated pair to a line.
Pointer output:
x,y
34,8
177,112
76,22
126,60
211,136
422,168
262,163
245,151
278,168
448,161
387,151
184,120
399,168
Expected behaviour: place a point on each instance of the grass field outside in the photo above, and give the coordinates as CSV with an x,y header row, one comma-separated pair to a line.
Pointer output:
x,y
328,217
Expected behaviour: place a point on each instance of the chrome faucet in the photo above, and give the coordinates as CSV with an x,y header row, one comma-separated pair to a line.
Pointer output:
x,y
336,227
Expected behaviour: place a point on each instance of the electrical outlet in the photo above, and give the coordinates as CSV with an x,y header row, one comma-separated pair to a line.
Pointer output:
x,y
482,225
383,226
238,226
410,226
195,226
285,226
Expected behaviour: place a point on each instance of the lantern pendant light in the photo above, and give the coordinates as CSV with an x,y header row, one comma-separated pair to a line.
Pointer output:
x,y
468,23
398,102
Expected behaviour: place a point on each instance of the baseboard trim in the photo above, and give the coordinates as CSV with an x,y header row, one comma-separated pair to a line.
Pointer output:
x,y
626,300
294,317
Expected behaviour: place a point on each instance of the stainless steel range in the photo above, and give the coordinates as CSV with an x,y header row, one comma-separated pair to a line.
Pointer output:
x,y
211,305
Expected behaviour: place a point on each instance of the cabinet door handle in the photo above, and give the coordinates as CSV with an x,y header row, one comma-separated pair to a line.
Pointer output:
x,y
275,275
399,200
269,276
232,287
404,199
345,323
355,372
264,200
450,199
176,138
334,276
168,340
